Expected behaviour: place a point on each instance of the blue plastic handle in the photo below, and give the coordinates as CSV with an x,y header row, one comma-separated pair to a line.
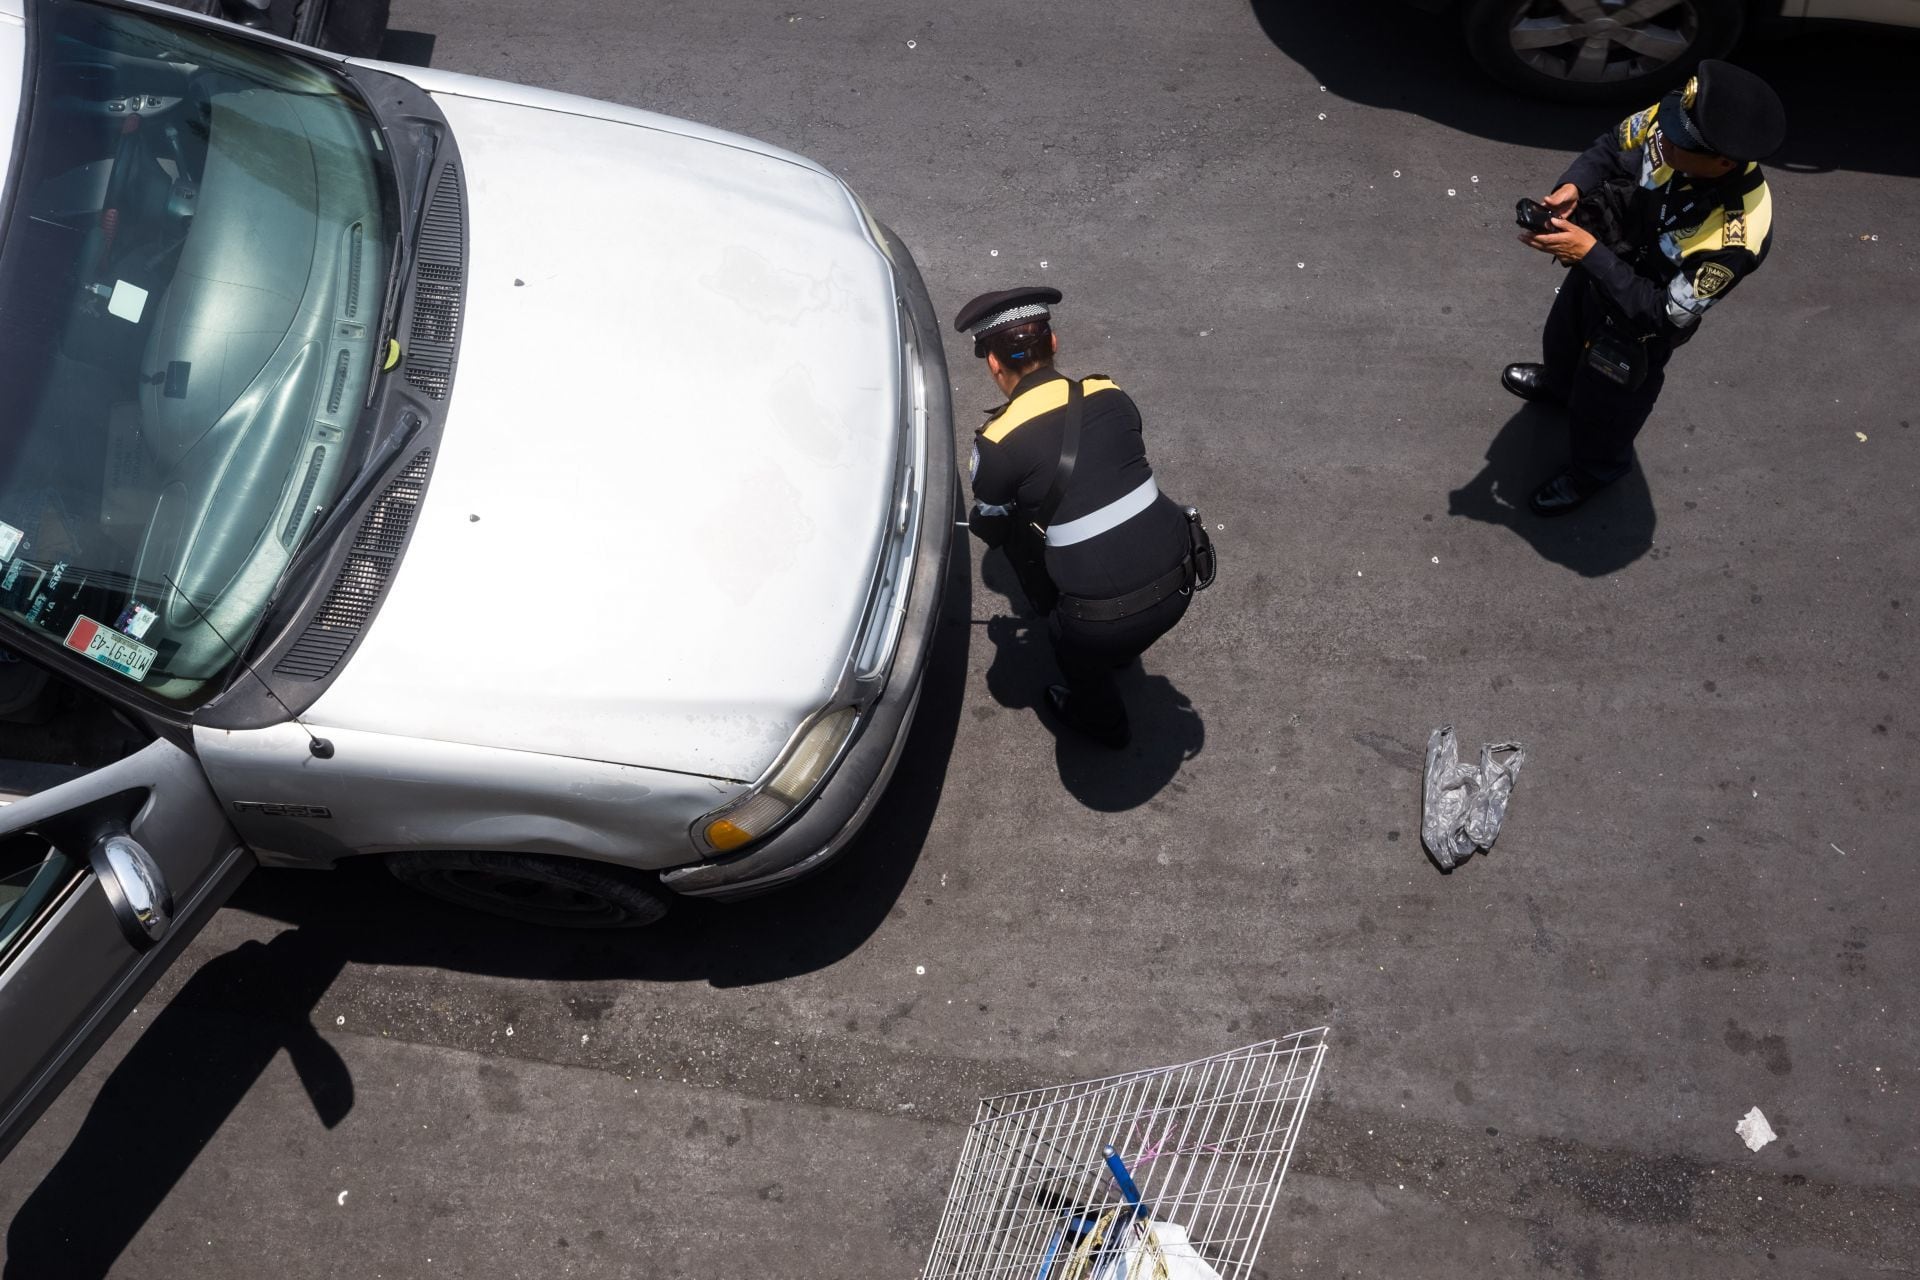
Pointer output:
x,y
1118,1168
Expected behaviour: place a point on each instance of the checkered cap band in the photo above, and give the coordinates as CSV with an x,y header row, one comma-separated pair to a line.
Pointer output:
x,y
1027,311
1678,125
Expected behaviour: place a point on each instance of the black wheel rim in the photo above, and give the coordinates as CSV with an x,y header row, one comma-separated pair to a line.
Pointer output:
x,y
1602,41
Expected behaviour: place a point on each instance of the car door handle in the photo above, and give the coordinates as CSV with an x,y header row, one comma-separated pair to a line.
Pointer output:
x,y
135,889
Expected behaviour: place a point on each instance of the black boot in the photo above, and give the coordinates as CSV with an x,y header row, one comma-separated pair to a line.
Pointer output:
x,y
1529,382
1564,493
1115,735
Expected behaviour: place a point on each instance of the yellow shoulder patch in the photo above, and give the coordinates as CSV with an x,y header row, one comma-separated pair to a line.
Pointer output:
x,y
1044,398
1746,229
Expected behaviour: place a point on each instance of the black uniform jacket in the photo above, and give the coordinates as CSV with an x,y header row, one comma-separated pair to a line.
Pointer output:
x,y
1691,251
1017,450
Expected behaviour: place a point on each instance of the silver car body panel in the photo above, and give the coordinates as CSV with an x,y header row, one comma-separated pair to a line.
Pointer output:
x,y
380,793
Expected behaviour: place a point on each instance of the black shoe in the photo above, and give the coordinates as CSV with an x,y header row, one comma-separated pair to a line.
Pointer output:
x,y
1560,495
1529,382
1116,735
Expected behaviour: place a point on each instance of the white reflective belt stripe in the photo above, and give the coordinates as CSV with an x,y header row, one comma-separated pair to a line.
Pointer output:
x,y
1095,523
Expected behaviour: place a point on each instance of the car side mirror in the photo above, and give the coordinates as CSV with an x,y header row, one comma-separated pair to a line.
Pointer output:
x,y
135,889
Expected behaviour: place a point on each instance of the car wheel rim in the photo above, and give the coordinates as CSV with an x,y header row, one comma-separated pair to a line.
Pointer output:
x,y
1595,41
525,898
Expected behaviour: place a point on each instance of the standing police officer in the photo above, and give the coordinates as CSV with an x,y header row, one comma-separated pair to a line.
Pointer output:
x,y
1659,219
1061,481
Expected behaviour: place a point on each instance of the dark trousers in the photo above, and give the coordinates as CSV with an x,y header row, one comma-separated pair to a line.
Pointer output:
x,y
1602,415
1090,652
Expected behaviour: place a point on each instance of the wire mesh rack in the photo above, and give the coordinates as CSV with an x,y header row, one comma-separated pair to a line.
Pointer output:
x,y
1163,1174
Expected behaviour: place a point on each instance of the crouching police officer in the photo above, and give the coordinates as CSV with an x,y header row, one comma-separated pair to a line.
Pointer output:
x,y
1659,219
1061,482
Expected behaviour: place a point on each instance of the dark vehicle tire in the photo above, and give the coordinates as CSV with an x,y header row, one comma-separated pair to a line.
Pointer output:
x,y
1547,49
561,893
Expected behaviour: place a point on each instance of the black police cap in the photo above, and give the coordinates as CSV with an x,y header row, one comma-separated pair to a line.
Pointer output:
x,y
1736,113
991,312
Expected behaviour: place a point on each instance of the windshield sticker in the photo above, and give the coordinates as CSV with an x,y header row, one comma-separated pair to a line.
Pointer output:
x,y
9,540
135,619
110,649
128,301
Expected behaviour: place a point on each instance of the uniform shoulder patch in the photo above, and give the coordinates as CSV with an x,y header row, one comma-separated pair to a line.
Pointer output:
x,y
1735,235
1634,129
1711,279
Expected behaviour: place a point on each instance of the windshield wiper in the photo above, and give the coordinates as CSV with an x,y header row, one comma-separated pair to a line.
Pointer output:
x,y
372,468
425,149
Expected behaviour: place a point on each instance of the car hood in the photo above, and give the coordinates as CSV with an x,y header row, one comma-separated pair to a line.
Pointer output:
x,y
658,498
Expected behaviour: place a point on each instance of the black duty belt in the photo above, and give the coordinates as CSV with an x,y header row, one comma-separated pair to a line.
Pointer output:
x,y
1178,578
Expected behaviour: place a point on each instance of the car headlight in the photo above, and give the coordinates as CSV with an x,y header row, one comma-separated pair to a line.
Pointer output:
x,y
788,785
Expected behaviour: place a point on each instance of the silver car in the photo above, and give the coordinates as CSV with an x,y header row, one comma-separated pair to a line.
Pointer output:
x,y
549,498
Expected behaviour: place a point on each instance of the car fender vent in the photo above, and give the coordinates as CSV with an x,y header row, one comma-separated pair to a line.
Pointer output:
x,y
439,286
363,578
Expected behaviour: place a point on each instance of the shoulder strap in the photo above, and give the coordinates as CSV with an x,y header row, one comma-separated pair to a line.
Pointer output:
x,y
1069,454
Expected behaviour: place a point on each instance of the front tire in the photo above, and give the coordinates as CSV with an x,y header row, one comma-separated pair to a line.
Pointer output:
x,y
531,888
1586,51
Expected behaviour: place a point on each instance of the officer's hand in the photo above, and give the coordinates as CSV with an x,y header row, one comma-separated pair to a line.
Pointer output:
x,y
1567,243
991,525
1561,202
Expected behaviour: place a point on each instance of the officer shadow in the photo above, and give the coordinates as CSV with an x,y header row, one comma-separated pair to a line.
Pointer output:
x,y
1610,532
1167,730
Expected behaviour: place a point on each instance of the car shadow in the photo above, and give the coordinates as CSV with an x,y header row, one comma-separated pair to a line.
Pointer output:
x,y
167,1098
1845,88
1610,532
1167,729
207,1048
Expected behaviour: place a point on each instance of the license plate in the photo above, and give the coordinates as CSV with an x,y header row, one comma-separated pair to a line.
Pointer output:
x,y
110,649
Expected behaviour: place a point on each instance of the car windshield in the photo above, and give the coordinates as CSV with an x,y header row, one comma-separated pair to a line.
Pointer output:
x,y
190,289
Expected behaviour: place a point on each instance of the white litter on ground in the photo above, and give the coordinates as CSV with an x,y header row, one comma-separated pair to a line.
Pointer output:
x,y
1450,191
1754,1130
340,1020
910,44
920,969
1323,115
341,1198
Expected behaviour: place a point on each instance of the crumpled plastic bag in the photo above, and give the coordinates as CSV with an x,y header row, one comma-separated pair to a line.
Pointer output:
x,y
1464,804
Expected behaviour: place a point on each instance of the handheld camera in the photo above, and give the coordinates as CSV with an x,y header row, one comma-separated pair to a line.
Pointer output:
x,y
1533,215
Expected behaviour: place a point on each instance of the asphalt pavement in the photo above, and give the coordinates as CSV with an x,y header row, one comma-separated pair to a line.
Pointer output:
x,y
1285,229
